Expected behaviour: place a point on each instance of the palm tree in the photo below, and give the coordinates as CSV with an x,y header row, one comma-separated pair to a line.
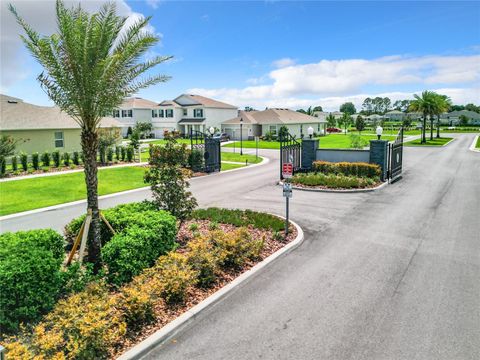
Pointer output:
x,y
442,104
425,105
90,66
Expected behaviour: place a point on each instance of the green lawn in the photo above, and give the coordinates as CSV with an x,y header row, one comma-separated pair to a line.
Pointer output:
x,y
435,142
335,141
478,143
29,194
252,159
226,166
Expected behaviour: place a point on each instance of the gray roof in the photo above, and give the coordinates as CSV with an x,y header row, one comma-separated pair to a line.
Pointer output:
x,y
274,116
455,114
15,114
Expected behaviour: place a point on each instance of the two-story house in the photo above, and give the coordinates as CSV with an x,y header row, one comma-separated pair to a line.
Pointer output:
x,y
132,111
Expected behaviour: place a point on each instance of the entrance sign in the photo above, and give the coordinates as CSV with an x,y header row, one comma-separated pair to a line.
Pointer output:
x,y
287,170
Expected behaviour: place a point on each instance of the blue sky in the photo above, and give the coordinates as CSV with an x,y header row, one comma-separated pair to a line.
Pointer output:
x,y
296,54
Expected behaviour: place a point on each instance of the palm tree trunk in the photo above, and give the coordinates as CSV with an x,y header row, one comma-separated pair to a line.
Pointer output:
x,y
89,147
438,126
424,129
431,128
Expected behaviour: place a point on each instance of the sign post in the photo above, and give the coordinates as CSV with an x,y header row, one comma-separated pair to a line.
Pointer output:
x,y
287,173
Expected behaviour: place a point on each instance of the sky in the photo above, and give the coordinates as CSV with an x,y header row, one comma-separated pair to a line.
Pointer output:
x,y
283,54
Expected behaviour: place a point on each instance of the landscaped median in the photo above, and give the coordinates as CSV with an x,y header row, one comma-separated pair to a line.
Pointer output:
x,y
338,176
152,274
442,141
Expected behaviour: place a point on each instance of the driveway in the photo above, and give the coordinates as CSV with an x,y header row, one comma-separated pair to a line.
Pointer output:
x,y
387,275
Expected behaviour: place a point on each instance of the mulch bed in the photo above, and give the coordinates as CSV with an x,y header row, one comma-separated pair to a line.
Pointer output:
x,y
165,314
321,187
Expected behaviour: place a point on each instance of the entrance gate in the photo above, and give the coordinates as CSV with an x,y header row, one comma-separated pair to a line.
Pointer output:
x,y
290,152
206,154
395,157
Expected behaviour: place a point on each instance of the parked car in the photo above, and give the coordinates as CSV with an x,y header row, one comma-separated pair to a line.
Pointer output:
x,y
221,136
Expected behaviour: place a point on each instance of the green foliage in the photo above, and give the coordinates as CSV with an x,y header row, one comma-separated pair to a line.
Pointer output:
x,y
331,121
143,128
130,152
3,165
46,159
30,275
110,154
169,180
360,123
7,145
24,161
240,218
117,153
348,108
357,142
202,258
123,153
332,180
196,160
76,158
35,161
14,163
56,158
129,131
283,132
350,169
102,151
135,139
66,159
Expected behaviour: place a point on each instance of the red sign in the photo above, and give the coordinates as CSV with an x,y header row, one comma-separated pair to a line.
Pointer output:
x,y
287,170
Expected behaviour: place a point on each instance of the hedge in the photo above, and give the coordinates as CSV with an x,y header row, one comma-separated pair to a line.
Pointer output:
x,y
30,275
347,168
335,181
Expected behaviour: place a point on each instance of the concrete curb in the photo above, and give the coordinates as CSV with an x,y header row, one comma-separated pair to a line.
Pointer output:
x,y
345,191
84,201
472,147
430,146
190,315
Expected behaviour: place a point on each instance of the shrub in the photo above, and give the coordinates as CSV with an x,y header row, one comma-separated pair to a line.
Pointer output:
x,y
201,257
35,161
102,150
56,158
130,153
123,152
30,275
348,169
14,163
357,142
136,303
117,153
196,160
213,226
139,245
66,159
110,154
175,276
24,161
332,180
193,227
3,166
46,159
76,158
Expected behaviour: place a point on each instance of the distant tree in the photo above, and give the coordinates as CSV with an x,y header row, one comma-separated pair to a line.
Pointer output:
x,y
472,107
348,108
442,105
360,123
331,121
407,122
401,105
317,108
301,111
345,121
367,106
463,120
424,104
457,107
386,103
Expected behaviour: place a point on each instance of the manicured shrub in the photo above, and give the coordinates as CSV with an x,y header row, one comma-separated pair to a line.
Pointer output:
x,y
3,165
201,257
136,303
35,161
110,154
196,160
14,163
117,153
46,159
56,158
24,161
139,245
66,159
130,153
30,275
347,168
76,158
123,153
333,180
102,150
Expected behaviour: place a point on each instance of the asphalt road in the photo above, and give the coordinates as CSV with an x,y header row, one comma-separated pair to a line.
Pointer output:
x,y
387,275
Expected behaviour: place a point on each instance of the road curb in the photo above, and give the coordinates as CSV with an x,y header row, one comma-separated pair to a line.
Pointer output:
x,y
345,191
472,147
190,315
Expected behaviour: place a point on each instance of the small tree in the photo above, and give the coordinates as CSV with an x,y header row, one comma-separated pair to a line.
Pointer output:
x,y
463,120
360,123
407,122
169,179
331,121
143,128
345,121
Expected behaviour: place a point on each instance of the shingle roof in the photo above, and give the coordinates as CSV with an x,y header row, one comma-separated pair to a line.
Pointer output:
x,y
15,114
274,116
138,103
206,102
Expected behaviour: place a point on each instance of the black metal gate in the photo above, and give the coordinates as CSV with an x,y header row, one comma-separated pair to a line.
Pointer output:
x,y
206,154
290,152
395,157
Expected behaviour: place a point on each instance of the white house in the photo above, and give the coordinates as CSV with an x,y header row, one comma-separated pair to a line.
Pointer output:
x,y
453,118
184,113
270,121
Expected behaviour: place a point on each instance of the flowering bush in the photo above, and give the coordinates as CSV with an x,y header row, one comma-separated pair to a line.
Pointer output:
x,y
348,168
201,257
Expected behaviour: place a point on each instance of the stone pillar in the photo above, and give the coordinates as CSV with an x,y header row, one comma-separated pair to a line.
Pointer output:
x,y
379,155
309,152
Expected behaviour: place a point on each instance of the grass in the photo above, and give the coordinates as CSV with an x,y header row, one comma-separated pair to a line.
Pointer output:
x,y
435,142
334,141
226,166
478,143
252,159
29,194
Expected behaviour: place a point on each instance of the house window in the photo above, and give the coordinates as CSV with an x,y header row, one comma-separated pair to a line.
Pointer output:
x,y
154,113
198,113
116,113
129,113
273,129
124,113
169,113
160,113
185,112
59,143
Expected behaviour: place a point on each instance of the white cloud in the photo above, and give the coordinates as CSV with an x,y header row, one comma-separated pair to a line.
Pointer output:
x,y
41,16
153,3
284,62
333,81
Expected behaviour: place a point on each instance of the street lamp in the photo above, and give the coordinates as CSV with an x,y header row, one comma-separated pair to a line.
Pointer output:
x,y
211,130
379,131
241,136
310,132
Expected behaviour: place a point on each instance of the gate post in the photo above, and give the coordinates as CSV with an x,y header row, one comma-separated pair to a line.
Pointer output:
x,y
309,152
379,155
